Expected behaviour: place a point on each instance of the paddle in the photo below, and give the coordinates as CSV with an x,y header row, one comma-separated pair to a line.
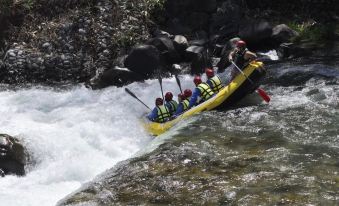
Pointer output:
x,y
178,82
133,95
261,92
160,82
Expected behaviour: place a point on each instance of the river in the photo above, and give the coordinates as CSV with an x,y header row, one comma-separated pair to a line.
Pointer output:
x,y
286,151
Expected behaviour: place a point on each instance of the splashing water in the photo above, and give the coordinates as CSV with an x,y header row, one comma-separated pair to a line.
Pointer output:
x,y
72,136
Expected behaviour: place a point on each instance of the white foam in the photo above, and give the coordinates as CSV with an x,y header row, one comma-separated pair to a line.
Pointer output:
x,y
73,135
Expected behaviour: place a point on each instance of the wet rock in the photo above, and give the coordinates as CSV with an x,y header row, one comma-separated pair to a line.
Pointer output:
x,y
282,33
115,76
13,156
199,59
166,48
180,44
160,33
143,59
290,50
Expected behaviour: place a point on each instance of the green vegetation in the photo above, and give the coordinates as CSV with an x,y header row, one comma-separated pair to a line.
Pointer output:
x,y
312,31
151,4
5,7
156,10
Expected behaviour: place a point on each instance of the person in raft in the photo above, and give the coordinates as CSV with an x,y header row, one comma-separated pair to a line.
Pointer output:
x,y
202,91
171,104
213,80
183,102
241,56
160,113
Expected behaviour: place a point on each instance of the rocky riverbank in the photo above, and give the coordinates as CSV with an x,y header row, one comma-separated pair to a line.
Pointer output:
x,y
103,43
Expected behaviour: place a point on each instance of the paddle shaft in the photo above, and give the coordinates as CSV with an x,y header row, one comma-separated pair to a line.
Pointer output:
x,y
178,82
160,82
134,96
242,72
261,92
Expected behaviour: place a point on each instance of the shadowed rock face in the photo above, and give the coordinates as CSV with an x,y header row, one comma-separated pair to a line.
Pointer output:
x,y
13,156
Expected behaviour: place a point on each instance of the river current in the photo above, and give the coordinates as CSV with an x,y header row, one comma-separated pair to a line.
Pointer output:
x,y
75,134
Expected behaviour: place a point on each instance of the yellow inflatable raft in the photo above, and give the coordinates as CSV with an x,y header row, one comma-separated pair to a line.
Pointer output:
x,y
229,95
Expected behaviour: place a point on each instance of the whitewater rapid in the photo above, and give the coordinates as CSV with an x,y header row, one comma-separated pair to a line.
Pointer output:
x,y
73,135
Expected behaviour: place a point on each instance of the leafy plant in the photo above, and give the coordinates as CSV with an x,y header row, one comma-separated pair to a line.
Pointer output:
x,y
156,9
5,7
313,31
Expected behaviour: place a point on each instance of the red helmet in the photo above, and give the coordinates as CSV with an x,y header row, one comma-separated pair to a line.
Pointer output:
x,y
197,80
181,96
159,101
241,44
187,93
168,96
209,72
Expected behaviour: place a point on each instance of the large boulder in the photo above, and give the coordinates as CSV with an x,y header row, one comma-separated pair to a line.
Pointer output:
x,y
199,59
291,50
13,156
180,44
282,33
114,77
225,21
166,48
143,60
255,32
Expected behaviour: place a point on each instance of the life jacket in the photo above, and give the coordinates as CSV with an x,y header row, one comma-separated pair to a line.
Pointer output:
x,y
185,104
163,114
173,106
205,90
239,58
216,83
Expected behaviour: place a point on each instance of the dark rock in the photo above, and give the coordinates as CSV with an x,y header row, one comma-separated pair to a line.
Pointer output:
x,y
199,42
180,44
225,21
13,156
114,77
197,20
166,48
290,50
176,27
204,6
282,33
255,32
193,51
160,33
143,59
199,59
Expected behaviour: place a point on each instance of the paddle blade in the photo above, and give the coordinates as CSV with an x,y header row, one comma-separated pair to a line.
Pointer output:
x,y
130,92
264,95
